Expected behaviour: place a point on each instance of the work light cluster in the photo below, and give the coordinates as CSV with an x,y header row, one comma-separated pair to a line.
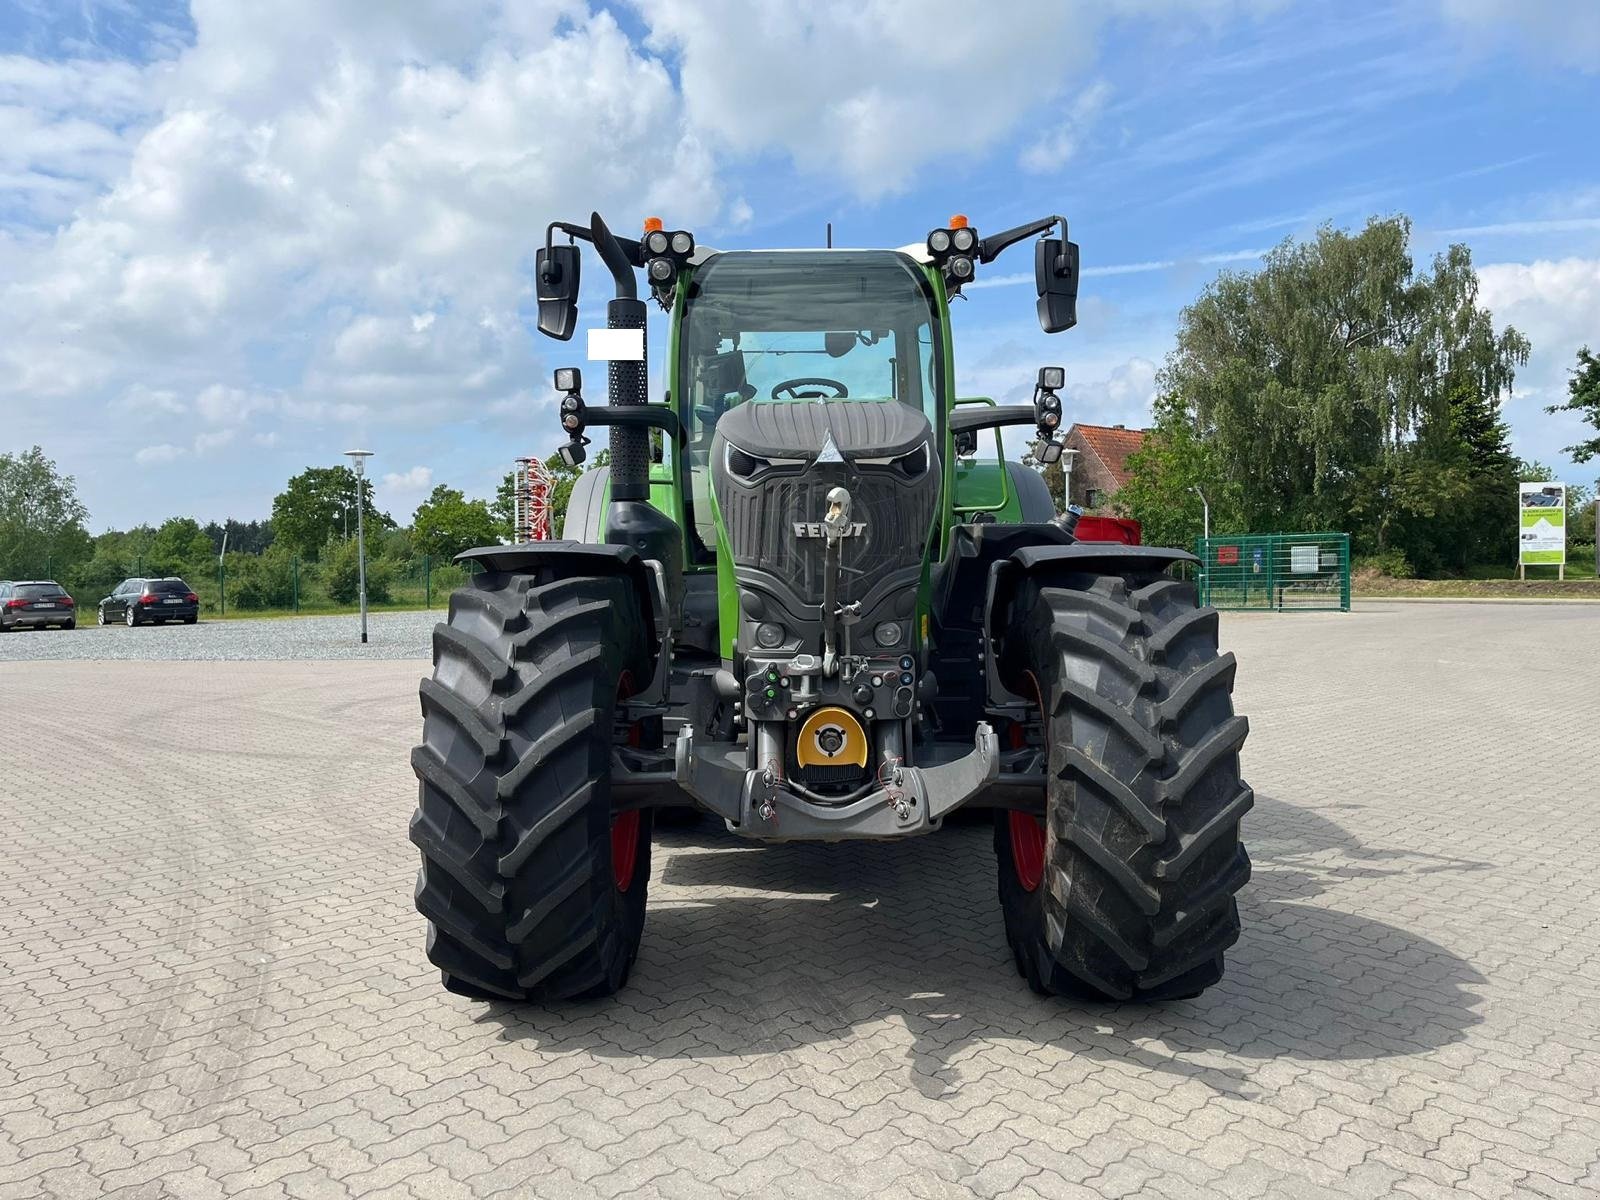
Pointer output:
x,y
954,250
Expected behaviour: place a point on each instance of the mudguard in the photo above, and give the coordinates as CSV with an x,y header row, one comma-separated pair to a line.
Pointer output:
x,y
1079,554
582,558
1042,561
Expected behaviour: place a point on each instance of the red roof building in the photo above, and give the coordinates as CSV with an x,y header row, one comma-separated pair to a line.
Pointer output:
x,y
1101,465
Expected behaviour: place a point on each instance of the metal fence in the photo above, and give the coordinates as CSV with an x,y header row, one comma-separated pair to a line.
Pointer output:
x,y
1276,571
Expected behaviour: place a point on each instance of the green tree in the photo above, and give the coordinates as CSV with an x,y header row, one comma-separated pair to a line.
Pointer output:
x,y
1164,474
247,537
319,505
1339,388
1583,396
41,518
178,548
446,523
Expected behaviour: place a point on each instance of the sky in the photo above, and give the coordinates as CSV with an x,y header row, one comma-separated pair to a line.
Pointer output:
x,y
238,239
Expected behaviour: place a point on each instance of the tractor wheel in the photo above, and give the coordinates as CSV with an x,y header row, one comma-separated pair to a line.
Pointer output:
x,y
532,888
1125,892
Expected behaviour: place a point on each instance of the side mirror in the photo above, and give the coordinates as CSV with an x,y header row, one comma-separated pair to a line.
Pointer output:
x,y
838,344
556,275
722,375
1055,273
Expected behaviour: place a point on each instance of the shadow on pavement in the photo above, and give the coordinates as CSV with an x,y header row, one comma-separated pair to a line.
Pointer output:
x,y
754,950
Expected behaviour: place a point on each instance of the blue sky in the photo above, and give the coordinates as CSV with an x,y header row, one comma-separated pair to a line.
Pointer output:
x,y
237,239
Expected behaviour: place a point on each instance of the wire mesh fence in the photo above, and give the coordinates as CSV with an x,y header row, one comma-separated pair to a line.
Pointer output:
x,y
1276,571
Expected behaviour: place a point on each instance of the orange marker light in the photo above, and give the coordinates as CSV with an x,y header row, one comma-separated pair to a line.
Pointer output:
x,y
651,224
959,221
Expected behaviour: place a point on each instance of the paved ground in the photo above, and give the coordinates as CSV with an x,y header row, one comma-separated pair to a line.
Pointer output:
x,y
211,979
389,635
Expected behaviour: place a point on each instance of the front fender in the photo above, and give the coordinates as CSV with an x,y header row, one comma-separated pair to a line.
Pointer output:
x,y
1043,561
567,559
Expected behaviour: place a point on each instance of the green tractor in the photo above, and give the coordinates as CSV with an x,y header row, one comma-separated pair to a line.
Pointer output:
x,y
811,598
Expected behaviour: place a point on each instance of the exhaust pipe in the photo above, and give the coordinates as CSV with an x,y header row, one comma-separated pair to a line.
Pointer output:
x,y
626,382
630,518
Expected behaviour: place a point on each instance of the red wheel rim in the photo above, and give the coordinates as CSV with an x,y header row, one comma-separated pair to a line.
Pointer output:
x,y
1027,831
625,847
625,825
1027,848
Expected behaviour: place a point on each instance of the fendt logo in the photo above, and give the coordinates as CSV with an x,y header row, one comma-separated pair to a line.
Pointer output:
x,y
816,529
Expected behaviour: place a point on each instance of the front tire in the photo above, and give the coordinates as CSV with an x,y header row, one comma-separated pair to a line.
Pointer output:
x,y
1126,891
532,888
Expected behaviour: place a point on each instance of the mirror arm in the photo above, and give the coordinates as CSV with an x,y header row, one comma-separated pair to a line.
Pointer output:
x,y
990,416
632,250
990,247
637,416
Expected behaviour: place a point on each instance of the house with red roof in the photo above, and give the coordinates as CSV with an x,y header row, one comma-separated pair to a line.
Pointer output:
x,y
1100,467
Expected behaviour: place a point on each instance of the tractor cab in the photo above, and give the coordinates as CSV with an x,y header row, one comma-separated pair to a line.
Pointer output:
x,y
796,328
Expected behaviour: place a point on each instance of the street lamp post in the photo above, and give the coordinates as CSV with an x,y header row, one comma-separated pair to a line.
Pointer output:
x,y
1205,529
359,459
1067,456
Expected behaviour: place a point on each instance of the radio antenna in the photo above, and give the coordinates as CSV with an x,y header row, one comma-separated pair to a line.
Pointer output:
x,y
830,235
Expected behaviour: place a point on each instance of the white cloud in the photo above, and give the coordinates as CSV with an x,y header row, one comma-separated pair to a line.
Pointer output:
x,y
1057,146
152,403
1551,225
154,456
402,491
1554,303
65,129
205,443
368,183
222,405
865,91
415,480
1566,32
1123,397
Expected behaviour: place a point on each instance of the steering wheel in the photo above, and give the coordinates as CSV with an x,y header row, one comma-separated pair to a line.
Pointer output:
x,y
791,388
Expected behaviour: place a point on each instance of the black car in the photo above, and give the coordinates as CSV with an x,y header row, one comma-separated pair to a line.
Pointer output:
x,y
146,601
35,603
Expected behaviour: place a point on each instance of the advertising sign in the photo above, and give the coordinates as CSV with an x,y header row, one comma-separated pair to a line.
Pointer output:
x,y
1542,524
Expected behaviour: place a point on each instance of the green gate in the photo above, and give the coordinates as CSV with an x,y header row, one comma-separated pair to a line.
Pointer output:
x,y
1276,571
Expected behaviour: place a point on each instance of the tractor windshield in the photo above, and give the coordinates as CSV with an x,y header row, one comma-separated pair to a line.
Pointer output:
x,y
796,326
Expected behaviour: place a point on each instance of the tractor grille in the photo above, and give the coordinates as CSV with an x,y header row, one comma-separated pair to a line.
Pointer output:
x,y
897,513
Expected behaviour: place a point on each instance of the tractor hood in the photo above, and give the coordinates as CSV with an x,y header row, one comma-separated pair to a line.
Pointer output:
x,y
856,429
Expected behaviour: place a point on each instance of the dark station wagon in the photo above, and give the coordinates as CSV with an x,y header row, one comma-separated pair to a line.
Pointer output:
x,y
150,601
35,603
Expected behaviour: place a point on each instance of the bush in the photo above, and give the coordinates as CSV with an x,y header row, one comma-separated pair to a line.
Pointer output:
x,y
340,571
1391,562
448,578
263,580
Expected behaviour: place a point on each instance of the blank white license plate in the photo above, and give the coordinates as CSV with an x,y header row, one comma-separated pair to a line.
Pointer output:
x,y
172,601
